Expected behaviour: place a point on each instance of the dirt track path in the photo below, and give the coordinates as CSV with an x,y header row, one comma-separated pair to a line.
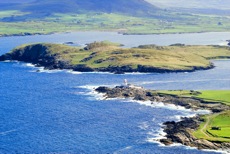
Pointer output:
x,y
203,130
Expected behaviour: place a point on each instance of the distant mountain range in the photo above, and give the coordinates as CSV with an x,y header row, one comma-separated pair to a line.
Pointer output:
x,y
129,7
40,8
214,4
193,6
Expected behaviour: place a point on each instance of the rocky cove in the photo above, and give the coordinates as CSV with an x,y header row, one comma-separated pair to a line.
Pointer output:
x,y
177,132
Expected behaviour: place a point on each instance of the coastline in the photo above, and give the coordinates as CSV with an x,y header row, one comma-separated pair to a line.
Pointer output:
x,y
116,31
176,132
41,56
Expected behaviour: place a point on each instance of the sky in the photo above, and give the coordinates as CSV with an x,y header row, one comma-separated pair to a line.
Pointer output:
x,y
216,4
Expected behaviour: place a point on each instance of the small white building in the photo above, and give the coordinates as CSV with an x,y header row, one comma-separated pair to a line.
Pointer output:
x,y
128,85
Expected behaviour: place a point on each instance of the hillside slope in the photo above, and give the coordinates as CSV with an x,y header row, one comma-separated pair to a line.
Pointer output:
x,y
131,7
108,57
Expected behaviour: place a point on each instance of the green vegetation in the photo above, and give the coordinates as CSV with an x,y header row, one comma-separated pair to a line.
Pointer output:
x,y
216,126
222,96
223,122
105,54
130,17
173,23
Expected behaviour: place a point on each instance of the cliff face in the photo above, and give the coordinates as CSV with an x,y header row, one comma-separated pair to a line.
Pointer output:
x,y
38,54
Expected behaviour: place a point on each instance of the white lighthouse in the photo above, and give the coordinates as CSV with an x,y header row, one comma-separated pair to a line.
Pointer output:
x,y
125,82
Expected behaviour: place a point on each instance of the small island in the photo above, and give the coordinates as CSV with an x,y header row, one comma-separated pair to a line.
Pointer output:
x,y
202,131
106,56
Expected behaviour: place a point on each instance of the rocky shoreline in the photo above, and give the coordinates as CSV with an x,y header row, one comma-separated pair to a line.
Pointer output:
x,y
177,132
39,55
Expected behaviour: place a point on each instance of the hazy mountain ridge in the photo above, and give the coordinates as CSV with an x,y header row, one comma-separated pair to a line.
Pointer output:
x,y
219,7
198,4
131,7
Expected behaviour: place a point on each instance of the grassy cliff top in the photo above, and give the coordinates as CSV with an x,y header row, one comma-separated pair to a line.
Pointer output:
x,y
105,54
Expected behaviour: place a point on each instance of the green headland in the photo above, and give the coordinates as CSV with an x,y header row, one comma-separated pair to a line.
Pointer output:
x,y
110,57
216,127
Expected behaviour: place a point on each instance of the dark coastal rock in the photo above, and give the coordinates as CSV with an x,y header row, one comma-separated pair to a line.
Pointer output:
x,y
181,132
83,68
39,55
117,69
6,56
92,55
146,69
102,89
138,93
177,132
124,92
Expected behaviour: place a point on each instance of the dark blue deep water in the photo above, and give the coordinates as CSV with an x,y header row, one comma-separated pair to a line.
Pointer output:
x,y
57,112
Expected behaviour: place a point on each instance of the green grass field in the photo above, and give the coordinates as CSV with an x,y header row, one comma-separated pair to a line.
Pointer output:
x,y
220,120
218,95
222,96
167,57
162,23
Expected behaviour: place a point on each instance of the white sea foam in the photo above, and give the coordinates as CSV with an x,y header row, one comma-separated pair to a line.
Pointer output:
x,y
97,73
29,64
152,136
217,151
42,70
73,72
144,125
92,92
138,73
163,105
7,132
191,148
7,61
123,149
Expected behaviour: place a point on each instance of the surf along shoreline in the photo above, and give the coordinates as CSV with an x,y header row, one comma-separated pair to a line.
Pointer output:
x,y
110,57
176,132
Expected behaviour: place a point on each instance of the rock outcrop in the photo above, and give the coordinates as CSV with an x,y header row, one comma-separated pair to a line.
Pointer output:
x,y
138,93
181,132
177,132
39,55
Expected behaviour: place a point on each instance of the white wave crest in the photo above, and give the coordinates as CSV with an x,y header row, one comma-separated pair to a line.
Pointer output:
x,y
7,132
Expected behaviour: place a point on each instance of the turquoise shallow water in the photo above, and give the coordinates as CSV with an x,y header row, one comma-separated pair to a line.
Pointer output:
x,y
56,111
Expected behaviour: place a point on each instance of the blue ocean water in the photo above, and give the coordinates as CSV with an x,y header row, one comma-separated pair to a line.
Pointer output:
x,y
57,112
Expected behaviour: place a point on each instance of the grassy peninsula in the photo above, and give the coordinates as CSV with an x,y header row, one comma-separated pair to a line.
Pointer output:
x,y
216,127
204,132
107,56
